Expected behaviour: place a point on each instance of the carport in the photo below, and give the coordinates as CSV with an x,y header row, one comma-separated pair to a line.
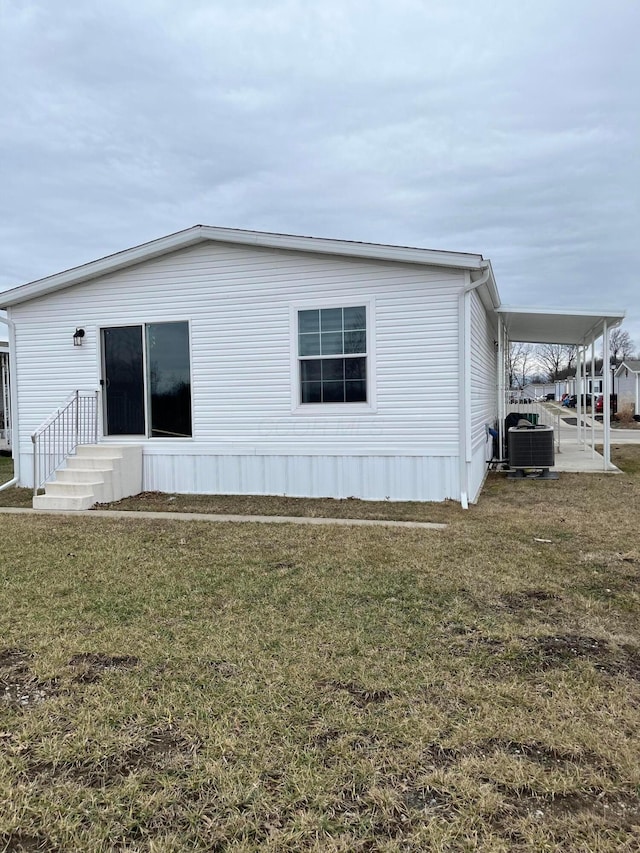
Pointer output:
x,y
548,326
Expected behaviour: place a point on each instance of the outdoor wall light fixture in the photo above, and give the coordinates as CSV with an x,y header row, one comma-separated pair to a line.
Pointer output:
x,y
78,335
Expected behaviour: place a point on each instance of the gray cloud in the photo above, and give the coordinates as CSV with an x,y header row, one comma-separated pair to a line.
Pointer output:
x,y
480,125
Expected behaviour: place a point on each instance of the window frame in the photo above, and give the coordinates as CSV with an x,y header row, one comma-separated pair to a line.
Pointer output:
x,y
300,408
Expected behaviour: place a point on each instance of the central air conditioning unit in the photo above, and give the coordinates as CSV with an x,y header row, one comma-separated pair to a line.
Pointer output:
x,y
531,447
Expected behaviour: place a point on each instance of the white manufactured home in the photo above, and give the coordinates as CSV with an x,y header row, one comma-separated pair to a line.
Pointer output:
x,y
252,363
627,384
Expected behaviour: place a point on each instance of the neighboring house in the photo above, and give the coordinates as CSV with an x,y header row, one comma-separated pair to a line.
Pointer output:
x,y
569,385
251,363
536,390
5,421
627,384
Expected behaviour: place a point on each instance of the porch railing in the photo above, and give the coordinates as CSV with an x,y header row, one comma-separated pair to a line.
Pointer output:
x,y
74,423
546,414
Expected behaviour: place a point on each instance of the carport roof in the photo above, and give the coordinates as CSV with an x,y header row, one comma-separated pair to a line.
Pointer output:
x,y
551,326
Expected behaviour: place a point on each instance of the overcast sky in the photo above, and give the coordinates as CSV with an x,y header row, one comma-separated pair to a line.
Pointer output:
x,y
506,127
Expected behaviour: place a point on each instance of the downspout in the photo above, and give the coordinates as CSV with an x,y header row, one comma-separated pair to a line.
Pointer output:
x,y
464,365
13,400
503,347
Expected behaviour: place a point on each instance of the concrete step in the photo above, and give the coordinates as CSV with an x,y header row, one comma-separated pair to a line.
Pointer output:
x,y
100,473
102,460
83,475
71,502
102,463
107,451
101,481
73,489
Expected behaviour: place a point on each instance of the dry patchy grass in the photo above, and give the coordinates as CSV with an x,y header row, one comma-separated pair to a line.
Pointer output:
x,y
289,507
12,496
170,686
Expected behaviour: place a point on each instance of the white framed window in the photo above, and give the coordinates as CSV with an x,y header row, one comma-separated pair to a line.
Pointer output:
x,y
332,343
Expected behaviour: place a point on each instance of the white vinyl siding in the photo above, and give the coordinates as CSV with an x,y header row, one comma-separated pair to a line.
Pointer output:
x,y
238,302
627,387
484,400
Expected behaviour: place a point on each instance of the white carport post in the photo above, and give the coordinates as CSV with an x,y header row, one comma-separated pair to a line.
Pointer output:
x,y
585,385
593,396
578,396
606,394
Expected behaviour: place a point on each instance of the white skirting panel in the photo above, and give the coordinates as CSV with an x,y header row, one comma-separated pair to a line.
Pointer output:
x,y
26,470
395,478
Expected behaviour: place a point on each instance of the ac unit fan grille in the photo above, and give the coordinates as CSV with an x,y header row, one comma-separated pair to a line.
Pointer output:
x,y
531,448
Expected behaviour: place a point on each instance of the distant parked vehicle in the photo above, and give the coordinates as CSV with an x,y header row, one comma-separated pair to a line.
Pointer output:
x,y
613,401
585,401
550,398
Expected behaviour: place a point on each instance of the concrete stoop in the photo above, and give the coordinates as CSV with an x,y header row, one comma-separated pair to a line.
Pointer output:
x,y
98,473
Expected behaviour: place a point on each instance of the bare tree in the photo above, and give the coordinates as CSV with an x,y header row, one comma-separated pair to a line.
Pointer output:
x,y
571,351
525,365
620,345
555,358
518,363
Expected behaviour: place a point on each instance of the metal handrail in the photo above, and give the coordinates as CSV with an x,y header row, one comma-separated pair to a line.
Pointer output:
x,y
74,422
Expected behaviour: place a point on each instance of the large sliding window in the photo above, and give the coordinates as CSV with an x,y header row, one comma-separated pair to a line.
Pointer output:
x,y
147,380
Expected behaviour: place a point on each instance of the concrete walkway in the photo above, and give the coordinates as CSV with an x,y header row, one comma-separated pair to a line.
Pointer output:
x,y
577,457
573,456
202,516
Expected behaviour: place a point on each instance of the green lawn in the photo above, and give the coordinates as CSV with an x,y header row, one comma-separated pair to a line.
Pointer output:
x,y
12,496
170,686
6,468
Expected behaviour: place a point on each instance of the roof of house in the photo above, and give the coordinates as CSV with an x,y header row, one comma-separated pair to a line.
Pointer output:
x,y
557,326
202,233
631,364
533,325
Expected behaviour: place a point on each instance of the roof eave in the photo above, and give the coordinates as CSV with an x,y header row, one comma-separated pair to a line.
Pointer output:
x,y
627,366
590,328
201,233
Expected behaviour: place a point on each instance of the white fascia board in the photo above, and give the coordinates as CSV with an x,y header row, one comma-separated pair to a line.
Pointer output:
x,y
322,245
200,233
